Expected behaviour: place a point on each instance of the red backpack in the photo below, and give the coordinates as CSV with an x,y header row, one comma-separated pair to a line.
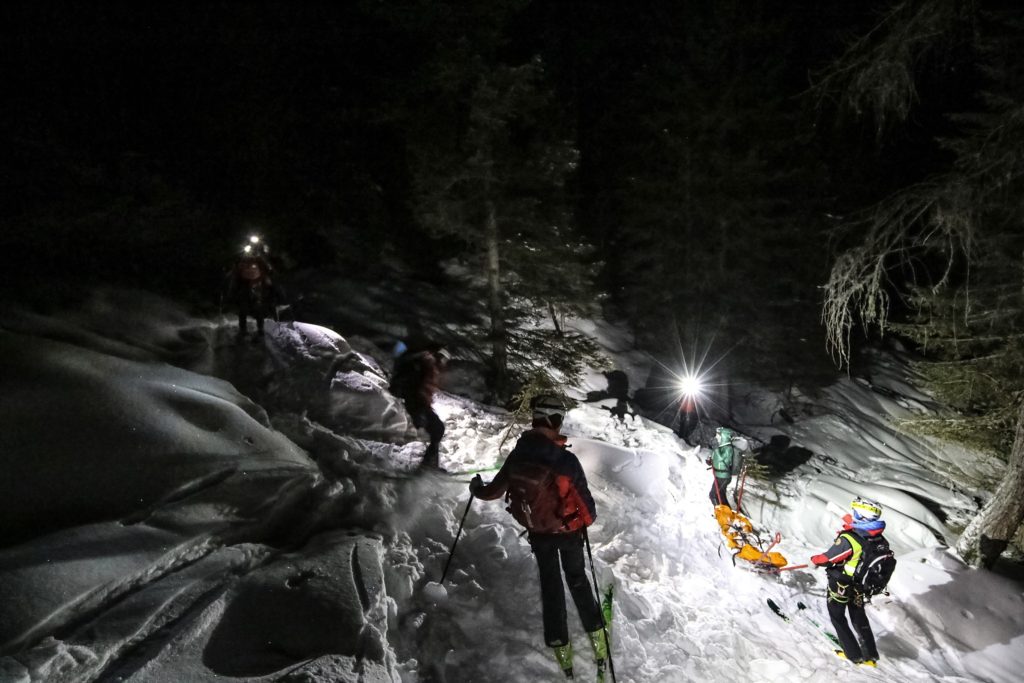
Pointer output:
x,y
250,270
536,501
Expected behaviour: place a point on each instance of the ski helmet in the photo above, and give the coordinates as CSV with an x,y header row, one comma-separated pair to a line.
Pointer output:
x,y
865,509
723,435
550,409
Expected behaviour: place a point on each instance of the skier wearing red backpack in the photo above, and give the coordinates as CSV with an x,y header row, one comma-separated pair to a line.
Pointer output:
x,y
546,490
858,565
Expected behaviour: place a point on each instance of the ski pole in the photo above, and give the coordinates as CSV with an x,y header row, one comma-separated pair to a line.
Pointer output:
x,y
739,495
458,533
597,596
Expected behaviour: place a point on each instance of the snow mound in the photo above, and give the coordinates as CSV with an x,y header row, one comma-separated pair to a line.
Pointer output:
x,y
145,501
80,421
313,369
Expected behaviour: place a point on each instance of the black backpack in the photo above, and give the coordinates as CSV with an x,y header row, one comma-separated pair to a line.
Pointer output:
x,y
406,376
876,565
534,499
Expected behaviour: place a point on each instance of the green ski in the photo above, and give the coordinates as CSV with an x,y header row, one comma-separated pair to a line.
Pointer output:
x,y
833,638
778,610
606,607
606,612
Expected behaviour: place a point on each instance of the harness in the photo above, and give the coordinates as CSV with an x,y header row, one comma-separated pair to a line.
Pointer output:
x,y
849,569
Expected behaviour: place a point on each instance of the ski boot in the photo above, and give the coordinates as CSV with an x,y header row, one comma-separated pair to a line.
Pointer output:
x,y
600,645
842,655
563,655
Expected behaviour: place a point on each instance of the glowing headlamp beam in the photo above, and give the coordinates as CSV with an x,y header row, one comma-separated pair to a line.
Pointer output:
x,y
690,385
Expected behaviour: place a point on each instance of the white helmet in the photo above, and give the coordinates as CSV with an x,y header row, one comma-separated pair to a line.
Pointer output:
x,y
548,404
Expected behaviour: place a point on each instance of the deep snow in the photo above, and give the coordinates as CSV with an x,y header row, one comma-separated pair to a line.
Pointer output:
x,y
178,508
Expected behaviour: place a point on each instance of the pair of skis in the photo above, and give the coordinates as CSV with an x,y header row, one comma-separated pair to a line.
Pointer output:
x,y
801,609
831,637
606,665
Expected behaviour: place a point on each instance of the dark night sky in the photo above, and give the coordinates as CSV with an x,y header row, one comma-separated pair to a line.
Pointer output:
x,y
208,90
140,138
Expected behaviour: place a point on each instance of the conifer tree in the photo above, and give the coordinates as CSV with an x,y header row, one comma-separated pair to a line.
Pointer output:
x,y
499,190
712,186
956,238
490,157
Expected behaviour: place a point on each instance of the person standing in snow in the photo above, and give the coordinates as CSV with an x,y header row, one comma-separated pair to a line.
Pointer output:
x,y
841,561
724,462
249,286
687,418
416,378
547,492
618,388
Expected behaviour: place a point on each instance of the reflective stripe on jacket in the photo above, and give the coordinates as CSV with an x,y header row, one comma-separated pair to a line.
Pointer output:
x,y
850,568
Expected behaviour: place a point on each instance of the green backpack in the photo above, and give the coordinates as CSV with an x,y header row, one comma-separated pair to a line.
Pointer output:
x,y
722,460
725,461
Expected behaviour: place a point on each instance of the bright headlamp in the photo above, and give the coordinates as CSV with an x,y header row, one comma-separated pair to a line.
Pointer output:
x,y
690,385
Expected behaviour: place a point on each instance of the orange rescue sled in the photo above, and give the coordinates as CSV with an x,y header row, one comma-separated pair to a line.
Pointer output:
x,y
740,536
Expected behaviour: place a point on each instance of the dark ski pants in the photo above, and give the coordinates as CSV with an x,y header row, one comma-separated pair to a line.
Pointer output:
x,y
718,491
244,313
251,302
428,419
548,548
842,597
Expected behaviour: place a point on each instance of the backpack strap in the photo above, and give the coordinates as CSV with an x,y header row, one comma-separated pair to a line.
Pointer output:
x,y
850,568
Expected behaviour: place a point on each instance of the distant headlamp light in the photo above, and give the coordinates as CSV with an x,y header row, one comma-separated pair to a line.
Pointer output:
x,y
690,385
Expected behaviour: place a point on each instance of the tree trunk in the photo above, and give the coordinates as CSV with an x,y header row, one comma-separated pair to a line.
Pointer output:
x,y
987,536
554,318
499,350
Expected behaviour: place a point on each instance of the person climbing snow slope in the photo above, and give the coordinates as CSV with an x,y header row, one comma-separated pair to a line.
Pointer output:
x,y
547,492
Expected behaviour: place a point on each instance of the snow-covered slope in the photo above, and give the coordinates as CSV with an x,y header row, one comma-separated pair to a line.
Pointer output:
x,y
161,527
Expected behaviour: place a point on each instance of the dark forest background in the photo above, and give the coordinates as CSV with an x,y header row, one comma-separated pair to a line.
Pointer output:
x,y
682,165
767,184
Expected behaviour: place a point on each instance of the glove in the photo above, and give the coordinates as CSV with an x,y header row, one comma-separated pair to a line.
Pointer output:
x,y
707,461
475,483
819,560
